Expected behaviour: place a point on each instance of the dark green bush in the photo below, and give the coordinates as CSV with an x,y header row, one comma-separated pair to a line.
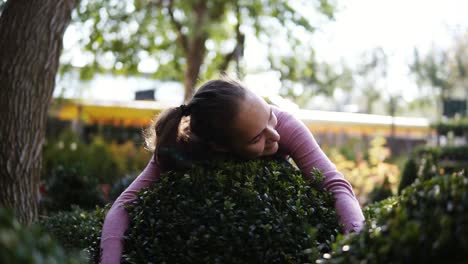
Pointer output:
x,y
94,160
409,174
459,127
77,230
454,153
426,162
28,245
65,187
428,223
252,212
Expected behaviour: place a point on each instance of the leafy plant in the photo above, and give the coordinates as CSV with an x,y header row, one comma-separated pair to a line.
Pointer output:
x,y
428,223
28,245
367,175
77,230
260,211
65,187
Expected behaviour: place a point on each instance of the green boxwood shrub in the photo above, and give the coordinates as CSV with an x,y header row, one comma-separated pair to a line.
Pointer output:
x,y
29,245
409,174
261,211
77,230
65,187
426,162
428,223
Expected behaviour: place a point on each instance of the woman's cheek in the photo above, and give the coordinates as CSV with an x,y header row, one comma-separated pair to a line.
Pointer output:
x,y
256,149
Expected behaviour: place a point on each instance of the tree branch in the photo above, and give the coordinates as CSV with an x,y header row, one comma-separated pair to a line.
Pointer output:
x,y
238,48
180,35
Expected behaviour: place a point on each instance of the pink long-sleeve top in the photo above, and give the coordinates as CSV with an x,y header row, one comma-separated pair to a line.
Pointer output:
x,y
295,141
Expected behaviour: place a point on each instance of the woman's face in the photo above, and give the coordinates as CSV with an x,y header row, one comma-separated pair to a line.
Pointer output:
x,y
254,133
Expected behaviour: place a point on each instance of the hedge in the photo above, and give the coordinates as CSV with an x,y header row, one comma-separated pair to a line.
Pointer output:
x,y
459,127
428,223
260,211
29,245
77,230
425,162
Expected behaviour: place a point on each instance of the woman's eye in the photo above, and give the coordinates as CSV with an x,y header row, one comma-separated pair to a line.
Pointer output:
x,y
256,140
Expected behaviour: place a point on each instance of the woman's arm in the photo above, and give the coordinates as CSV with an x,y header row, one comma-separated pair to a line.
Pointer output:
x,y
116,221
297,141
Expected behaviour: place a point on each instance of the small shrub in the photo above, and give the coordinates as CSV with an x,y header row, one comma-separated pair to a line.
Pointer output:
x,y
77,230
409,175
65,187
252,212
428,223
28,245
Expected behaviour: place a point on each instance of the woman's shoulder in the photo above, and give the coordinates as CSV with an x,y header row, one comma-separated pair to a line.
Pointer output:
x,y
281,113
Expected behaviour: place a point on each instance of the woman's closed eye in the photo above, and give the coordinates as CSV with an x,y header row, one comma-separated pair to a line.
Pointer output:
x,y
256,140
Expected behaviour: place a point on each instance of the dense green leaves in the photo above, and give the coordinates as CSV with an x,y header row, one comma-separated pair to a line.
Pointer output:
x,y
254,212
428,223
264,211
459,127
28,245
77,230
183,39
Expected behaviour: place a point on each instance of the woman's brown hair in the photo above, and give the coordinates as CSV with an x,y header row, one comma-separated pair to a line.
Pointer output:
x,y
182,135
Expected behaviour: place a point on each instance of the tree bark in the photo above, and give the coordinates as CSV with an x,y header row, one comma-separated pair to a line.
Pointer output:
x,y
196,50
30,45
194,61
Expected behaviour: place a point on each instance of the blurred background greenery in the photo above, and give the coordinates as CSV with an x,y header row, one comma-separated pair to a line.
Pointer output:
x,y
367,78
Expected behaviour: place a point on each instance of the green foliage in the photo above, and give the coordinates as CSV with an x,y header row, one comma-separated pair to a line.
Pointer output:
x,y
201,35
77,230
28,245
371,173
426,162
459,127
409,175
442,69
445,153
74,169
380,193
65,187
428,223
256,212
94,161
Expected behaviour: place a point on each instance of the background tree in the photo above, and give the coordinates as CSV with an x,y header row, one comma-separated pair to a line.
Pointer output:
x,y
182,39
443,71
30,48
372,74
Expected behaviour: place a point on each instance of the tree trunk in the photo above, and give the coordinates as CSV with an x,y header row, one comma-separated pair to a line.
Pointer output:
x,y
194,62
31,41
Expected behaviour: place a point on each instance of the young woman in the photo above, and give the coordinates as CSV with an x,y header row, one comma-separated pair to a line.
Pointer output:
x,y
225,118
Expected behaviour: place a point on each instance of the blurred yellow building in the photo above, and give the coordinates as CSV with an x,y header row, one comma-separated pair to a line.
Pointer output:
x,y
140,113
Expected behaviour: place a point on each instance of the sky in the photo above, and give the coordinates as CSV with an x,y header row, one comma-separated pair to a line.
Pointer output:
x,y
397,26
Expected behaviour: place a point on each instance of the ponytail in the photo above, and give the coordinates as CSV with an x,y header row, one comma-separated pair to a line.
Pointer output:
x,y
162,138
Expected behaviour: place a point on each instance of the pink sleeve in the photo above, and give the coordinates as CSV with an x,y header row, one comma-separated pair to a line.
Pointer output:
x,y
116,221
297,141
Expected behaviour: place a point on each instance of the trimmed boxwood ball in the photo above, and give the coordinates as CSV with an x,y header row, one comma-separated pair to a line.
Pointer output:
x,y
261,211
428,223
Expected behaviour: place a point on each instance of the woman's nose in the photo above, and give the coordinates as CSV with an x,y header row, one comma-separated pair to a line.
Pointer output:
x,y
273,135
